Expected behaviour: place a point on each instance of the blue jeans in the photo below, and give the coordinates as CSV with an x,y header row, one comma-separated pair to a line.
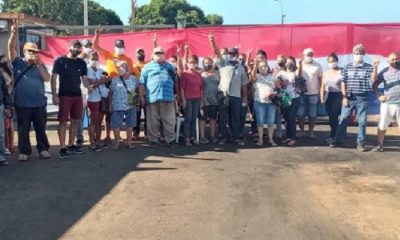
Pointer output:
x,y
191,113
266,113
308,106
360,103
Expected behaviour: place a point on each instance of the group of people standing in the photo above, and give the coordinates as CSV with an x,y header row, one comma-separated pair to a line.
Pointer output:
x,y
222,90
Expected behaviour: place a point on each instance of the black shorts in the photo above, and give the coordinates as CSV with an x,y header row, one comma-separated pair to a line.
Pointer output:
x,y
210,112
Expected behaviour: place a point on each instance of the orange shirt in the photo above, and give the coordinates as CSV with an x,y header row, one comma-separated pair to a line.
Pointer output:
x,y
137,69
111,60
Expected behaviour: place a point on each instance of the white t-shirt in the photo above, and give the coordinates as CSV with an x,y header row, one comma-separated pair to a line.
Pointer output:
x,y
312,72
264,86
289,78
99,92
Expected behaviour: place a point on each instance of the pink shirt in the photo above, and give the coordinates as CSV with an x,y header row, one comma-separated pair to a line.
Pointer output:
x,y
192,84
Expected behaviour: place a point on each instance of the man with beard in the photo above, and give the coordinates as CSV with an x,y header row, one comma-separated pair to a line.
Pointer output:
x,y
71,71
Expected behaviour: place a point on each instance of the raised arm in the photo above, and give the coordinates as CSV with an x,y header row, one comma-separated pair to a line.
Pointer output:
x,y
179,64
155,40
322,90
12,42
214,46
44,74
374,75
253,74
186,56
96,46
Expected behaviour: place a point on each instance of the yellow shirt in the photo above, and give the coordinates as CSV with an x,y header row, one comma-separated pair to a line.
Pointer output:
x,y
137,69
111,60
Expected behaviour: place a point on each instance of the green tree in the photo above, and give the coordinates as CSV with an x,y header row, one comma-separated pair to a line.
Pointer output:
x,y
61,11
165,12
214,19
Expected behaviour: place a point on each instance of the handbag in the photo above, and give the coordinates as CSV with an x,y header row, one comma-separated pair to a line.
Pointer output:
x,y
133,97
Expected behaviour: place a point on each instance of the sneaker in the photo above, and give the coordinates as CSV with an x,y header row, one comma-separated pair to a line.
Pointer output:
x,y
74,150
378,148
239,142
361,148
45,155
153,144
63,154
95,148
222,141
329,140
335,144
273,144
172,145
215,140
3,162
204,141
7,152
23,157
195,142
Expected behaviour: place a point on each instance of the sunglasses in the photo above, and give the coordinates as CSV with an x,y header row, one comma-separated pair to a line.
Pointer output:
x,y
32,51
159,53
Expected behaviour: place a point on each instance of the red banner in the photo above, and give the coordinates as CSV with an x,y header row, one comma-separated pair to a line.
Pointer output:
x,y
379,39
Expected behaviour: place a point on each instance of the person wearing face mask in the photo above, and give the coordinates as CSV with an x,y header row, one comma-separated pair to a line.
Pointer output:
x,y
331,93
232,94
390,99
111,58
192,99
120,89
158,81
210,95
99,91
71,72
312,73
288,77
264,85
356,86
6,72
29,96
87,50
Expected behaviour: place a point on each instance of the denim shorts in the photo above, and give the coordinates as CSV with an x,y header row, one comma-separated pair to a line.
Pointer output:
x,y
308,106
265,113
118,117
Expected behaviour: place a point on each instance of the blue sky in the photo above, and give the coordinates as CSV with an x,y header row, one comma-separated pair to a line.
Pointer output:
x,y
297,11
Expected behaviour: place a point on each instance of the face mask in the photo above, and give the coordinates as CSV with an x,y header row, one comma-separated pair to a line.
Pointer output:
x,y
225,57
397,65
192,66
281,64
119,51
93,63
232,59
140,57
88,50
332,65
263,70
358,58
308,59
74,52
121,71
31,56
207,67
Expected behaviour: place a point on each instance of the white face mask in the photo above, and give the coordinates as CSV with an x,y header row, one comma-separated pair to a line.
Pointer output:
x,y
119,51
192,66
88,50
30,56
332,65
308,59
93,63
121,71
358,58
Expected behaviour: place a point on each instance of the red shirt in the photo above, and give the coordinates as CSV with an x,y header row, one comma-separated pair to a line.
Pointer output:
x,y
192,84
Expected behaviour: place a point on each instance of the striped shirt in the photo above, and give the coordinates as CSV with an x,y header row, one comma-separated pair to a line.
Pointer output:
x,y
357,78
158,81
390,77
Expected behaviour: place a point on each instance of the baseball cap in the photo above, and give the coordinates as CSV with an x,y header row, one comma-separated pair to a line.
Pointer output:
x,y
233,51
76,43
119,43
139,50
31,46
158,50
86,42
307,51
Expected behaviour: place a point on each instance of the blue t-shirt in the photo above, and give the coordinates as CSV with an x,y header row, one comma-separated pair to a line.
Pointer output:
x,y
158,81
120,93
29,90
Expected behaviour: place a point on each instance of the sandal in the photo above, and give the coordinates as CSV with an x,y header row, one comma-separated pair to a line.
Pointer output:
x,y
291,143
273,144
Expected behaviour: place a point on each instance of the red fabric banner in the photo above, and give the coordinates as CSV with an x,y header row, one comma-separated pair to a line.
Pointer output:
x,y
380,39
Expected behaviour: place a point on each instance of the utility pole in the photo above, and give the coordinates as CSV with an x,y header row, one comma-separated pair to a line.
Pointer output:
x,y
282,14
133,21
85,17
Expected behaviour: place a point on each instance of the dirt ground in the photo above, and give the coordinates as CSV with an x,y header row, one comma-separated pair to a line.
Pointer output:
x,y
206,193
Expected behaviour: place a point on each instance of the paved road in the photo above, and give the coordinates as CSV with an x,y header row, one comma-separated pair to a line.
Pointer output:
x,y
206,193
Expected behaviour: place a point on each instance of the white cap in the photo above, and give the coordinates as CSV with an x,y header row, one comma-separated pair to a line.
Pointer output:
x,y
307,51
